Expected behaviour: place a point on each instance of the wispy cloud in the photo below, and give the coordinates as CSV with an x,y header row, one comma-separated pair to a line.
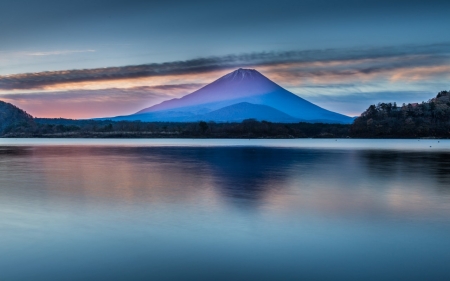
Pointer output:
x,y
96,103
330,64
354,103
402,68
375,97
57,53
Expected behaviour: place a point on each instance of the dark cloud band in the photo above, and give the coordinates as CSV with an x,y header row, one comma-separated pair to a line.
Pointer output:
x,y
136,93
365,61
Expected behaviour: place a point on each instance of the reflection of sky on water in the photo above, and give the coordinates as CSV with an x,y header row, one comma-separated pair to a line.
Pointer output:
x,y
122,213
328,181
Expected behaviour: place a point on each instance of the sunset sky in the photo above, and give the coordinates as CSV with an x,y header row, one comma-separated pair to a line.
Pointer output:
x,y
97,58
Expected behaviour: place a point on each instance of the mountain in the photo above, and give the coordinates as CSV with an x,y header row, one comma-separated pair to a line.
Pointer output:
x,y
240,86
13,118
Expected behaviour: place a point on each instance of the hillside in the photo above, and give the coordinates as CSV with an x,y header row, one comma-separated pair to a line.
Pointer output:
x,y
387,120
14,119
244,110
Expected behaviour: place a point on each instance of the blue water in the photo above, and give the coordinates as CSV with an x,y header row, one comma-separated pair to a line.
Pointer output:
x,y
224,209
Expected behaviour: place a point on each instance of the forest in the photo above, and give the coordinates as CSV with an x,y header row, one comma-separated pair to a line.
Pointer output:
x,y
429,119
250,128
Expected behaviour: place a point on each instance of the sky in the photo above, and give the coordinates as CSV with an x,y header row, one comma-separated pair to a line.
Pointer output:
x,y
97,58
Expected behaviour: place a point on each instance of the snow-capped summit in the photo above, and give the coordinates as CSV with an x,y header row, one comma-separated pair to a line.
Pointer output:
x,y
242,74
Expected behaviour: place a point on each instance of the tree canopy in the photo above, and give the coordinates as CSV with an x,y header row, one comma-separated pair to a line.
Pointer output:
x,y
426,119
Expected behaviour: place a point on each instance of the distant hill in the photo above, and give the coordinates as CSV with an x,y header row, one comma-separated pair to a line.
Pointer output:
x,y
244,110
14,119
387,120
240,86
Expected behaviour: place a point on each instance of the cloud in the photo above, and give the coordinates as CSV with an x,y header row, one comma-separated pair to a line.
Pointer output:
x,y
385,96
96,103
328,64
404,68
54,53
106,94
354,103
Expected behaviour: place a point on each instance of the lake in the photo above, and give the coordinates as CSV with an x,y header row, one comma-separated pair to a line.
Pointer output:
x,y
171,209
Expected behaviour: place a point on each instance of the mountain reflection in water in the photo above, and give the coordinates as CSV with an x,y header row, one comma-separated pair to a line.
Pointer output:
x,y
223,213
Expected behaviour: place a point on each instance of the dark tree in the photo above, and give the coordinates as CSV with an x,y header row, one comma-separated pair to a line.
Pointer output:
x,y
203,126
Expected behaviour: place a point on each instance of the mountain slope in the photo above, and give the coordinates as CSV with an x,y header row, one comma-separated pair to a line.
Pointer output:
x,y
235,85
244,110
13,118
242,85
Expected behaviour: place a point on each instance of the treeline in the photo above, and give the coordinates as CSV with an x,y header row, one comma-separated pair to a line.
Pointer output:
x,y
250,128
387,120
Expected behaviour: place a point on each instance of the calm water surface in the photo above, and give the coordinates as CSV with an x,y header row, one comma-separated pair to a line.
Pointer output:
x,y
224,209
